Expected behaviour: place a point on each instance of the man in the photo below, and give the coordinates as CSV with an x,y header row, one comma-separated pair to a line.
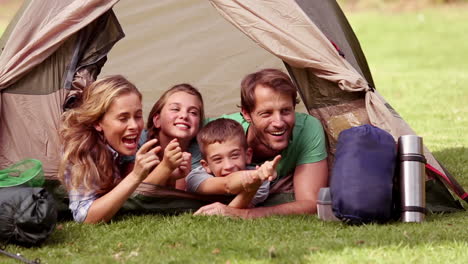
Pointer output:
x,y
268,100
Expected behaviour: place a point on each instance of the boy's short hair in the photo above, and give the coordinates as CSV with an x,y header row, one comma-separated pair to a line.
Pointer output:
x,y
219,131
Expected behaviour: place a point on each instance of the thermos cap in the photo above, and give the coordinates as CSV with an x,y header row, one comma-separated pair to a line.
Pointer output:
x,y
410,144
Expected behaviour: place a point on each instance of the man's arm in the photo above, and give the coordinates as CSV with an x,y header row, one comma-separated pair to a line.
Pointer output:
x,y
308,179
243,199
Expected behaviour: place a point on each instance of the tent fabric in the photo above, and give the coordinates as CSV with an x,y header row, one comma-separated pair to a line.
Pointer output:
x,y
36,100
299,43
330,19
173,41
285,30
47,25
45,66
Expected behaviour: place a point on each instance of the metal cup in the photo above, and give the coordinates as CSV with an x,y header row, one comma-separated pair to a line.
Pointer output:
x,y
412,178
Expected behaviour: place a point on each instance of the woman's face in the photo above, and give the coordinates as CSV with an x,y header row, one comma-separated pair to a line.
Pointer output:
x,y
122,124
179,117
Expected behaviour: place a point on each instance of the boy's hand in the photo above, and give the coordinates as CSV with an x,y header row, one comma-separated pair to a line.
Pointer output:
x,y
172,155
146,159
250,180
267,170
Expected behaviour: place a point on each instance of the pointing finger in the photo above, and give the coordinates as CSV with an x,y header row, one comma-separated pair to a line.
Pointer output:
x,y
147,146
276,161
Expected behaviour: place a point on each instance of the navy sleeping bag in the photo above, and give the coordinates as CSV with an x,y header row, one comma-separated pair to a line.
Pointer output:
x,y
362,176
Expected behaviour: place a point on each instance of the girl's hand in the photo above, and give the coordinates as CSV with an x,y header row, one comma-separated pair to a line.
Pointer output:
x,y
172,155
186,165
146,159
184,168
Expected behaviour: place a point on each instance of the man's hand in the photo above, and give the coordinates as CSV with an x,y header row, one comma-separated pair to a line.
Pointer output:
x,y
217,209
146,159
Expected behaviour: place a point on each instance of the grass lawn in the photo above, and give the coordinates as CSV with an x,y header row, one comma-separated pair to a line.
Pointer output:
x,y
418,60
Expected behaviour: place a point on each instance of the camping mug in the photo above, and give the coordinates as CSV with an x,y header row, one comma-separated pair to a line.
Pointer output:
x,y
412,178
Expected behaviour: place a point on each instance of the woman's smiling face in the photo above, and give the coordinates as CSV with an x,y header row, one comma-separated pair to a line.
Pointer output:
x,y
122,124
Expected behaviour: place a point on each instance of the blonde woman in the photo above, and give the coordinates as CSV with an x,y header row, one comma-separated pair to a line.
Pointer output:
x,y
105,126
174,121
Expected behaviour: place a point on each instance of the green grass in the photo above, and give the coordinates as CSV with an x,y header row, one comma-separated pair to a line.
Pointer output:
x,y
418,61
293,239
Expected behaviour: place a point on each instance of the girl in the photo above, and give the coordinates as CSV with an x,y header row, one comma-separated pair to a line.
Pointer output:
x,y
106,125
174,121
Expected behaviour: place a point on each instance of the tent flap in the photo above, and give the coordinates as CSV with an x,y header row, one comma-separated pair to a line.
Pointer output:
x,y
43,26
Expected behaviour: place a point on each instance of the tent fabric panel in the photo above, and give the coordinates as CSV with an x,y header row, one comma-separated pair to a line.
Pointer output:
x,y
330,19
94,42
6,34
447,178
49,76
191,42
287,32
30,113
99,38
439,199
317,92
283,29
31,108
43,26
172,41
29,127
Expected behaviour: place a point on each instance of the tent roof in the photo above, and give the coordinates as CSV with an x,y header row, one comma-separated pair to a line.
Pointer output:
x,y
169,42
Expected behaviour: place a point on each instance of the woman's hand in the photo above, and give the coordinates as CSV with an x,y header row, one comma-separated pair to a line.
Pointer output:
x,y
146,159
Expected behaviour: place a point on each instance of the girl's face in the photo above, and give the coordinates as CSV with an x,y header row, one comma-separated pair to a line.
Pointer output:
x,y
122,124
179,117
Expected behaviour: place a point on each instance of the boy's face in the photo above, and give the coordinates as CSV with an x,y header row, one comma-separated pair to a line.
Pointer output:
x,y
225,158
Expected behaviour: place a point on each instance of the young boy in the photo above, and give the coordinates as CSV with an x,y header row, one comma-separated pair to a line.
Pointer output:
x,y
224,170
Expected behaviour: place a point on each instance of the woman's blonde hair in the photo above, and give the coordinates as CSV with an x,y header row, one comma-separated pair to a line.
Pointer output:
x,y
86,156
158,106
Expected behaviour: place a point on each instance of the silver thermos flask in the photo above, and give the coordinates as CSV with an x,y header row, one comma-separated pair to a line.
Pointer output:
x,y
412,178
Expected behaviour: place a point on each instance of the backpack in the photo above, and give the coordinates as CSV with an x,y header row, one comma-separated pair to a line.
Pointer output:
x,y
362,178
27,215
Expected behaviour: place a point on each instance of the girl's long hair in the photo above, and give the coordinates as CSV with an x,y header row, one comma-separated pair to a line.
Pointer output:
x,y
86,157
158,106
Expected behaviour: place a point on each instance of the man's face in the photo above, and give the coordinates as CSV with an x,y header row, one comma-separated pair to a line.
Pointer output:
x,y
271,121
225,158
